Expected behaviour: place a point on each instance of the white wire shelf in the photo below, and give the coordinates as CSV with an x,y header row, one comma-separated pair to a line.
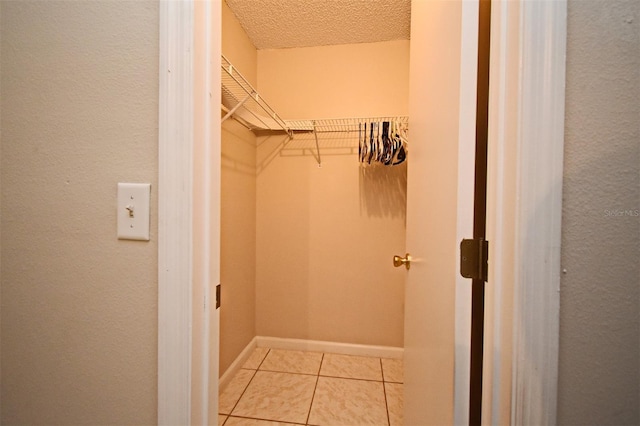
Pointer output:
x,y
327,125
242,102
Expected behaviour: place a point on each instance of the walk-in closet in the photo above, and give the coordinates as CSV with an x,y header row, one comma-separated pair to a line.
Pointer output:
x,y
314,171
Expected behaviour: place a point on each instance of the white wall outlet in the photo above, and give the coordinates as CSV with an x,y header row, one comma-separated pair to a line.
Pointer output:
x,y
133,211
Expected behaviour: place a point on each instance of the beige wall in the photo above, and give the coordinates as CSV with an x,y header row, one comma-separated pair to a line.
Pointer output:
x,y
237,47
356,80
238,208
79,307
599,371
326,236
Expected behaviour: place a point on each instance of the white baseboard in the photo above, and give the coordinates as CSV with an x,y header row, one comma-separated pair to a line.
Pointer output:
x,y
331,347
237,364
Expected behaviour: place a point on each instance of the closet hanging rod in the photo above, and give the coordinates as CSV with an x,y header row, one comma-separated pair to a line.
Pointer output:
x,y
242,101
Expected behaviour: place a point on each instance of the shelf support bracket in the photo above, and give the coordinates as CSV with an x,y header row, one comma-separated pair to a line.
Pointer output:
x,y
235,108
317,145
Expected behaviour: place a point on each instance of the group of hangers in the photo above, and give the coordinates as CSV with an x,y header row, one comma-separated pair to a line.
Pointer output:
x,y
382,142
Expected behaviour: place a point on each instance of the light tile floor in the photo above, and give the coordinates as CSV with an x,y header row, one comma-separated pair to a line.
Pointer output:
x,y
280,387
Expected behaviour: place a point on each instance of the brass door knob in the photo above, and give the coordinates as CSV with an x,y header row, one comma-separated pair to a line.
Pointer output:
x,y
399,261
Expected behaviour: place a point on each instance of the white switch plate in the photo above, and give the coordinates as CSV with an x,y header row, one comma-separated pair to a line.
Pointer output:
x,y
133,211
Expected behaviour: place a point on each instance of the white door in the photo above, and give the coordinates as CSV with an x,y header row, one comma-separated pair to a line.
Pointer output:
x,y
439,206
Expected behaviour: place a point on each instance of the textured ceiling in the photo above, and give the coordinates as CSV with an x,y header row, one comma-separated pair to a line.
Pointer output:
x,y
276,24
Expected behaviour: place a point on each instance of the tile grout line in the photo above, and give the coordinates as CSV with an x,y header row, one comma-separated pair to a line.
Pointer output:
x,y
313,397
261,419
247,386
264,359
352,378
384,391
242,394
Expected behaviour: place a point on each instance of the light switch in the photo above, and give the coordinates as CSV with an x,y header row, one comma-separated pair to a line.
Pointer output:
x,y
133,211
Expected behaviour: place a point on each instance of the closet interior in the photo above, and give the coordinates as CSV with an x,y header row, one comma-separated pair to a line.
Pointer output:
x,y
309,221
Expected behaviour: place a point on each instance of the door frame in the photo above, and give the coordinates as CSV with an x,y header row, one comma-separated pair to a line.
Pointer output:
x,y
538,211
188,211
513,384
175,212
